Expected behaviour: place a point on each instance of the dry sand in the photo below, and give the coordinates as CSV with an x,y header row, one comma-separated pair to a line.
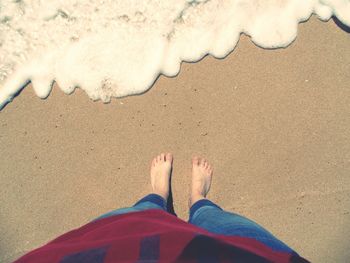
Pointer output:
x,y
275,125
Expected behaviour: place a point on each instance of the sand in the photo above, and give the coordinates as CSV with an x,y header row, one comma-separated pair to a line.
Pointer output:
x,y
274,123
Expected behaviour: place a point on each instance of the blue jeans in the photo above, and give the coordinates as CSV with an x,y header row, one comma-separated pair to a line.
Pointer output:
x,y
207,215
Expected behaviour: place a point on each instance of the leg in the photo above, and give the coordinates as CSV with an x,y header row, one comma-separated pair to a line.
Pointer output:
x,y
207,215
161,168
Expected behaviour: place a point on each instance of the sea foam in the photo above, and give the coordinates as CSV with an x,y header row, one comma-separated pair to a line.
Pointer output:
x,y
116,48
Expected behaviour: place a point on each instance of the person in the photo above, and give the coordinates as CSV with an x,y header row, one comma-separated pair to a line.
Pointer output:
x,y
147,232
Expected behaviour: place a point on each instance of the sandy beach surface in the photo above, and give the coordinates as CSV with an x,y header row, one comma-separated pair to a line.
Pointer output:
x,y
274,123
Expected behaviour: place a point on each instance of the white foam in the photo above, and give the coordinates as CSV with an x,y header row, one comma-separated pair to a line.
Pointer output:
x,y
117,48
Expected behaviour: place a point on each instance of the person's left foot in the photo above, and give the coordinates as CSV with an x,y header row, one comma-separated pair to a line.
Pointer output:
x,y
160,174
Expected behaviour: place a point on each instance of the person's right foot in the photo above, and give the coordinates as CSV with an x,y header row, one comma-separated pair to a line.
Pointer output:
x,y
160,174
201,179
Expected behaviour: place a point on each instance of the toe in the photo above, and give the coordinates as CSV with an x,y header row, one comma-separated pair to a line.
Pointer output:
x,y
154,161
203,161
169,157
195,160
162,157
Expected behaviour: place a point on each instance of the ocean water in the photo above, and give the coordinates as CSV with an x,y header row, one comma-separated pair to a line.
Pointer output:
x,y
116,48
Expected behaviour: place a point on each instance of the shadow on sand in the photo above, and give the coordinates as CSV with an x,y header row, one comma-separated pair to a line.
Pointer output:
x,y
170,201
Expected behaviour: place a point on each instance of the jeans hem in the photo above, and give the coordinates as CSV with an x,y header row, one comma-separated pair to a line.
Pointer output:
x,y
155,199
200,203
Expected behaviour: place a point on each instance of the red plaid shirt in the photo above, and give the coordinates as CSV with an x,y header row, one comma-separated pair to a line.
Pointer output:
x,y
151,236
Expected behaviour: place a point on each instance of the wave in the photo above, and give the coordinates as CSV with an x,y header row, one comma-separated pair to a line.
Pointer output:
x,y
118,48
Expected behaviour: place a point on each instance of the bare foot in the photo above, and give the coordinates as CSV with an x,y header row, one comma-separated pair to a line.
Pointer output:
x,y
160,174
201,179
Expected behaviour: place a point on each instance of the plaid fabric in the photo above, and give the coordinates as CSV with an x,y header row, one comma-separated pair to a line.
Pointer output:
x,y
152,236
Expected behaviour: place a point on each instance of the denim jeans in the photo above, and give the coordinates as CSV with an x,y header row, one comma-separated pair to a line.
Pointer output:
x,y
151,201
207,215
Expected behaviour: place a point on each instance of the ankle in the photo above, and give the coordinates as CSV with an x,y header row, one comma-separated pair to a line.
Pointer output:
x,y
163,194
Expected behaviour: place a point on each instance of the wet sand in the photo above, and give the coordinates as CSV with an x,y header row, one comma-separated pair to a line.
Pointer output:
x,y
274,123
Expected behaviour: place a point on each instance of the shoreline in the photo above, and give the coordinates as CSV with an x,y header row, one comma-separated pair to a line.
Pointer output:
x,y
273,123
